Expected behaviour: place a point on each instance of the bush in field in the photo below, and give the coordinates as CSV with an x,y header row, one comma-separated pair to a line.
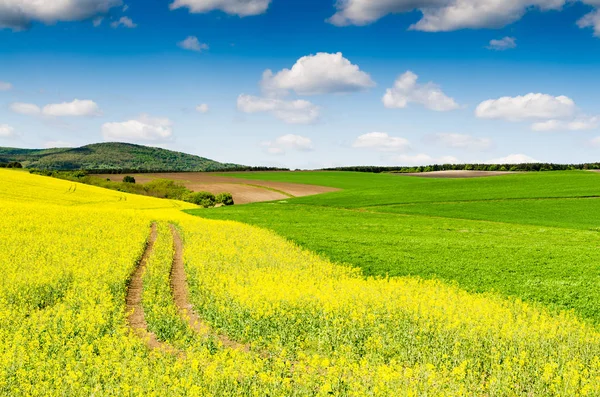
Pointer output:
x,y
204,199
14,164
129,179
224,198
166,188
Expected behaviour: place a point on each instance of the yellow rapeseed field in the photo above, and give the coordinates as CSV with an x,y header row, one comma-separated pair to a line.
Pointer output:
x,y
304,326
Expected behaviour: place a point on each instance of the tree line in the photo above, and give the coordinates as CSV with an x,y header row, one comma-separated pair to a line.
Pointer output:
x,y
525,167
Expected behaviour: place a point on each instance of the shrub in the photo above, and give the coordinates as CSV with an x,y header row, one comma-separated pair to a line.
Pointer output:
x,y
129,179
14,164
166,188
224,198
204,199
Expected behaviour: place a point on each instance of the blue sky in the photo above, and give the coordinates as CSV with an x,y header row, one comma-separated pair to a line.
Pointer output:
x,y
515,82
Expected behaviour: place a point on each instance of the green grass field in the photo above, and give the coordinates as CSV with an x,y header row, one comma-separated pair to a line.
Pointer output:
x,y
534,236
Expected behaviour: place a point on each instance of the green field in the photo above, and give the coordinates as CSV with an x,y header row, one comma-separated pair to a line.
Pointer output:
x,y
533,236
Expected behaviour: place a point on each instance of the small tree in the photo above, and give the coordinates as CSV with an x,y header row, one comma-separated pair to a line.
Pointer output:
x,y
203,199
129,179
225,199
14,164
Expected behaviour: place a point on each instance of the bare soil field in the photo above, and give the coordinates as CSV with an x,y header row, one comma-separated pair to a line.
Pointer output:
x,y
457,174
244,191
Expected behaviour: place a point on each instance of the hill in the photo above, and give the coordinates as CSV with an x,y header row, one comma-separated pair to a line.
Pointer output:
x,y
111,156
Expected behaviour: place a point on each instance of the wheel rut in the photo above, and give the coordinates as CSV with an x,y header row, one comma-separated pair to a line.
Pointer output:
x,y
135,310
180,291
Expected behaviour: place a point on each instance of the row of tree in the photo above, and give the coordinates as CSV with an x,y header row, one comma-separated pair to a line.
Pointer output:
x,y
132,171
528,167
12,164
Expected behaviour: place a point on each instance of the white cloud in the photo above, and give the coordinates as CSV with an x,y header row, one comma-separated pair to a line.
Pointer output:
x,y
381,141
203,108
193,44
143,129
422,159
530,106
27,109
505,43
57,144
322,73
577,124
124,21
6,131
441,15
19,14
291,112
461,141
76,108
242,8
513,159
97,21
289,141
591,20
4,86
406,90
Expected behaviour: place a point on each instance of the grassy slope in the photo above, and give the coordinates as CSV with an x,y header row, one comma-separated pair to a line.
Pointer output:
x,y
540,250
110,156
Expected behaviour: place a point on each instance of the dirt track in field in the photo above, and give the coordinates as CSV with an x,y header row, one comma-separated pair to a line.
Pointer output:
x,y
457,174
135,310
244,191
180,291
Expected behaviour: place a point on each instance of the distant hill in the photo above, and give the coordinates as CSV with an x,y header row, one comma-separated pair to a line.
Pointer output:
x,y
111,156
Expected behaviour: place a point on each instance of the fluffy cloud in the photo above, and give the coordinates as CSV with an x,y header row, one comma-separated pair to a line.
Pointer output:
x,y
382,142
423,159
4,86
591,20
19,14
530,106
505,43
143,129
6,131
441,15
578,124
242,8
125,22
77,108
203,108
291,112
192,44
322,73
406,90
27,109
289,141
513,159
460,141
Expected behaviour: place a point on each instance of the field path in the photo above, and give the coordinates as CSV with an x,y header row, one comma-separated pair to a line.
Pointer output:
x,y
135,310
181,296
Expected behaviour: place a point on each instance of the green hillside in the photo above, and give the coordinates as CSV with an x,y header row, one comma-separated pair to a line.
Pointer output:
x,y
111,156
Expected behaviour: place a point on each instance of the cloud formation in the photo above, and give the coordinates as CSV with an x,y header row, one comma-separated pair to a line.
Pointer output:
x,y
19,14
406,90
292,112
143,129
4,86
125,22
591,20
76,108
202,108
322,73
382,142
6,131
577,124
530,106
441,15
242,8
289,141
192,43
503,44
513,159
461,141
27,109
